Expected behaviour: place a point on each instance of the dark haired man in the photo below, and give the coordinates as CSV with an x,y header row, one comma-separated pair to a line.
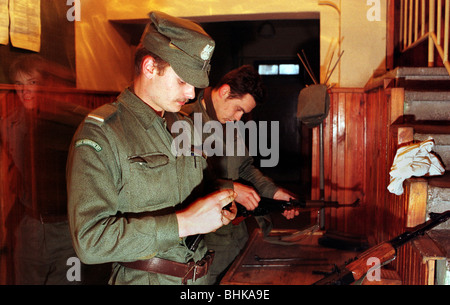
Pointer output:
x,y
237,93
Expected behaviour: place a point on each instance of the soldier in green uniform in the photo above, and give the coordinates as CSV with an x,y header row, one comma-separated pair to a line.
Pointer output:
x,y
131,200
238,92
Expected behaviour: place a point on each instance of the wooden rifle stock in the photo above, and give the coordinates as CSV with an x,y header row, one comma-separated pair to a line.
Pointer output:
x,y
385,252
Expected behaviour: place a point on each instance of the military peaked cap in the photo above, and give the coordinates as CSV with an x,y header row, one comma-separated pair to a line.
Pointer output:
x,y
183,44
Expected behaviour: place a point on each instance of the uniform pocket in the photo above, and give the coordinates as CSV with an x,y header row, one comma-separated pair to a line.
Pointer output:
x,y
152,182
152,160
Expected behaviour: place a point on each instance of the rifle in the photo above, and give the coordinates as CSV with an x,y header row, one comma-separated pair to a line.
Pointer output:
x,y
386,252
268,205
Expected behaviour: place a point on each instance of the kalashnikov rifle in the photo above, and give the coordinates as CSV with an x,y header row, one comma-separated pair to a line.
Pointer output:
x,y
268,205
357,268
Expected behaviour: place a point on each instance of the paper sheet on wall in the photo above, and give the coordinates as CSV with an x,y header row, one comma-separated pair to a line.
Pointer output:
x,y
25,29
4,22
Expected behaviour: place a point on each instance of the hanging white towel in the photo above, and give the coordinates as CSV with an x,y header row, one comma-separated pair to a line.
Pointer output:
x,y
414,160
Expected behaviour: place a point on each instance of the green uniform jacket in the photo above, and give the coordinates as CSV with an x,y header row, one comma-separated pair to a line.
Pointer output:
x,y
124,184
228,240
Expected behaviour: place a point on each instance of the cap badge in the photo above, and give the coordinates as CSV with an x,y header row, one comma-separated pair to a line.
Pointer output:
x,y
206,53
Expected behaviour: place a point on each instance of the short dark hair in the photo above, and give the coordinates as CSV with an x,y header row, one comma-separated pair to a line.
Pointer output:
x,y
139,56
27,63
244,80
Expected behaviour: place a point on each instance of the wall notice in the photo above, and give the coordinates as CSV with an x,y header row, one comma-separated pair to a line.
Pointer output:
x,y
4,22
25,31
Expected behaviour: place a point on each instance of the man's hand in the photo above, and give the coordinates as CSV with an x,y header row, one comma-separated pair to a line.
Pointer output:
x,y
282,194
206,214
246,196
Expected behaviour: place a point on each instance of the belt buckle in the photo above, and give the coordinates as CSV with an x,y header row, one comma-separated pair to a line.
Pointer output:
x,y
194,277
191,265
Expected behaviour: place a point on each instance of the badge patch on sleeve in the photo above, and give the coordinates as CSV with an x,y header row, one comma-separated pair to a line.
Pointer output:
x,y
88,142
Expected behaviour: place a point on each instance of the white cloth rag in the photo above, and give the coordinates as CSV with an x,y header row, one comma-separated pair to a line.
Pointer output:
x,y
413,160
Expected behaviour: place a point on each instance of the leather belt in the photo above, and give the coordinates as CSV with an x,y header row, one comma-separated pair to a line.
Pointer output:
x,y
188,271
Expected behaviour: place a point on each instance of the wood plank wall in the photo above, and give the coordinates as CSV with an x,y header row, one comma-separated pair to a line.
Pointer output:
x,y
344,159
357,159
386,209
10,213
361,136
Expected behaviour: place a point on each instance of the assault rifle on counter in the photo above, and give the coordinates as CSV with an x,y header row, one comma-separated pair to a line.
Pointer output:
x,y
386,252
268,205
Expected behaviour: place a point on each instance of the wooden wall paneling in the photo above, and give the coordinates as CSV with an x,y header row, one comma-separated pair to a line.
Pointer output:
x,y
397,98
416,205
370,166
384,106
393,203
331,169
394,206
341,160
395,137
382,173
344,159
357,165
376,150
384,163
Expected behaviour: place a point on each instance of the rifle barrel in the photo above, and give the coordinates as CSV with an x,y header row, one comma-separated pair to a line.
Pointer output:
x,y
435,220
321,204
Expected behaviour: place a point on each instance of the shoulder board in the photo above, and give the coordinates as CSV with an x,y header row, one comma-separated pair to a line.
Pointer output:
x,y
102,114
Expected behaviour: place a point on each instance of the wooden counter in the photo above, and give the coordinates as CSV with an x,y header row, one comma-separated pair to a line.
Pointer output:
x,y
246,269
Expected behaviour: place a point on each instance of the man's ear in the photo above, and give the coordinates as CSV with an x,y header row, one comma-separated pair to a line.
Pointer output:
x,y
224,91
148,68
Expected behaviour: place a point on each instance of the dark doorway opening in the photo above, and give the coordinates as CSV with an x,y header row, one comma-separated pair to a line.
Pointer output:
x,y
274,42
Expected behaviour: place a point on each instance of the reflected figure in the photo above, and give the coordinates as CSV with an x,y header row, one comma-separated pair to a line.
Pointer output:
x,y
26,87
36,133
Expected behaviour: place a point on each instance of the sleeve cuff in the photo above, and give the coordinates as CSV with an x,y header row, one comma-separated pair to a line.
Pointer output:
x,y
167,234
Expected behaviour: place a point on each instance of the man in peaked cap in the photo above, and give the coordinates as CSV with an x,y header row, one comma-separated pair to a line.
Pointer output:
x,y
131,201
